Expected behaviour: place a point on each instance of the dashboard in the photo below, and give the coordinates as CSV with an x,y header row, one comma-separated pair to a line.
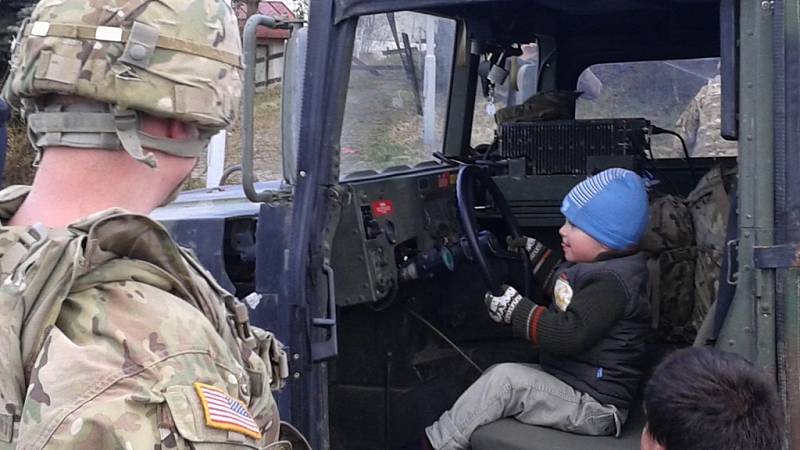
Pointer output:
x,y
386,226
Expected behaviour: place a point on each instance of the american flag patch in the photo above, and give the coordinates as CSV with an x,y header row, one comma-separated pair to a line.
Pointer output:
x,y
225,412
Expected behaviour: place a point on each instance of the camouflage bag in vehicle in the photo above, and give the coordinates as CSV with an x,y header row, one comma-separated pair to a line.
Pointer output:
x,y
709,204
550,105
669,242
686,241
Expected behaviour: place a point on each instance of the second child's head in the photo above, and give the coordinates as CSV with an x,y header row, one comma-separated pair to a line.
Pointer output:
x,y
702,398
606,212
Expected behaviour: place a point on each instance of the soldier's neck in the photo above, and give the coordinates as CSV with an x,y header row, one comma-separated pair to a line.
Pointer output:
x,y
72,184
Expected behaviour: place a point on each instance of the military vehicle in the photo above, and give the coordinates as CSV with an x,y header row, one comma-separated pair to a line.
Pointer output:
x,y
370,258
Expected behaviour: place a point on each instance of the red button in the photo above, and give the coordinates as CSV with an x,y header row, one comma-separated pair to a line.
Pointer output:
x,y
382,208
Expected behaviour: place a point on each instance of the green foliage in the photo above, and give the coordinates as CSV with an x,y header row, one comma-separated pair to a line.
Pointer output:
x,y
385,152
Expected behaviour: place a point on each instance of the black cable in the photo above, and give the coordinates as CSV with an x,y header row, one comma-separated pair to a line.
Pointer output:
x,y
659,130
663,176
651,161
445,338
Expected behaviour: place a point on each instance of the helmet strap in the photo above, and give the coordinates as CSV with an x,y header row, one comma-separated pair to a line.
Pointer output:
x,y
97,125
126,123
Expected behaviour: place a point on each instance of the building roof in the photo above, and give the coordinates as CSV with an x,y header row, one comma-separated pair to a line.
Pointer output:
x,y
267,8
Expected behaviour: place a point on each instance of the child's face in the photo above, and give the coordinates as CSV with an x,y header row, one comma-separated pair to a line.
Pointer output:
x,y
579,246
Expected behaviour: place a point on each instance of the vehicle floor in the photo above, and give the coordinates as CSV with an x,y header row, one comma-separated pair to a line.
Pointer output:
x,y
510,434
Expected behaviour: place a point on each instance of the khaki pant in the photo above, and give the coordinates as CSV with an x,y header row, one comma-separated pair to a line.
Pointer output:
x,y
528,394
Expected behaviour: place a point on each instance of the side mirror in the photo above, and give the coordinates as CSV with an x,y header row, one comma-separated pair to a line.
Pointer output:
x,y
294,65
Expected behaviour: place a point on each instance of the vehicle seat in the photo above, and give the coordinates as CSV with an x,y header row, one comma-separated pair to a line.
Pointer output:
x,y
509,434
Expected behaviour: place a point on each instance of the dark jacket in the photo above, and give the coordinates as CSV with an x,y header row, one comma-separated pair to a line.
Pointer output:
x,y
592,336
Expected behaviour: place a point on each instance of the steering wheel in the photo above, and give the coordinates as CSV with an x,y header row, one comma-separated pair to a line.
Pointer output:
x,y
468,177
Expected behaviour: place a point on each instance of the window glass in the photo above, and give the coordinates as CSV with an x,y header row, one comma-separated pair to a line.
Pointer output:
x,y
518,87
680,95
396,104
267,159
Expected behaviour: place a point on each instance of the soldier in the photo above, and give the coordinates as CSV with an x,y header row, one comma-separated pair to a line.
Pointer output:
x,y
700,123
113,336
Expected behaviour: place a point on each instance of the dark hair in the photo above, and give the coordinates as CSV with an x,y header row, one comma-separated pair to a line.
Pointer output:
x,y
706,399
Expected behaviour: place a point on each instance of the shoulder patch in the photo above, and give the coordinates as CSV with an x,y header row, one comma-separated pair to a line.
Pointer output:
x,y
225,412
562,292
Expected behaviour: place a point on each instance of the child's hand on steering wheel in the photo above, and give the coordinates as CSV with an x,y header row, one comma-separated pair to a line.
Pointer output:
x,y
501,307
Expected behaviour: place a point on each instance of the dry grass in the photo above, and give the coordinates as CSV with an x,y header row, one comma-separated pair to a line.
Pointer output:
x,y
19,155
267,152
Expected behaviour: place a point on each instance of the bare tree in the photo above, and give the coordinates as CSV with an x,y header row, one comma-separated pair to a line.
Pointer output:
x,y
301,9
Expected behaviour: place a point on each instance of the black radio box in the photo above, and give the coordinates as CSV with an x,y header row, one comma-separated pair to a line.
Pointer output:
x,y
568,146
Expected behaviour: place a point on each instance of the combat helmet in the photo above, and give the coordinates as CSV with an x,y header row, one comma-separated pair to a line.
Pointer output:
x,y
176,59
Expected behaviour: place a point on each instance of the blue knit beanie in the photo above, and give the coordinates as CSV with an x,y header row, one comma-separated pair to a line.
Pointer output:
x,y
611,207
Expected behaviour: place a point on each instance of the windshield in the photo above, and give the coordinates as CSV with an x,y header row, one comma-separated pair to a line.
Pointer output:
x,y
397,95
520,85
679,95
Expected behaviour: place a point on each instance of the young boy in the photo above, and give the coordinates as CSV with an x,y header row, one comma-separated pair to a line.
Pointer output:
x,y
590,337
702,398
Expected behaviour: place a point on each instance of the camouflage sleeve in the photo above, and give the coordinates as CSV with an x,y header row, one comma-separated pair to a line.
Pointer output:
x,y
688,124
129,365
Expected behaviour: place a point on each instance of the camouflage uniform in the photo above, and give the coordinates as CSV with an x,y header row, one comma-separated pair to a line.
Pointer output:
x,y
113,336
700,124
114,326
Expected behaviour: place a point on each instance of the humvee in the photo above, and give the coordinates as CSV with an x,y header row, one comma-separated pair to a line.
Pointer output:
x,y
371,256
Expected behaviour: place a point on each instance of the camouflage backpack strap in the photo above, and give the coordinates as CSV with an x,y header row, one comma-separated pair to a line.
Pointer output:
x,y
670,245
139,237
654,290
710,205
31,296
263,342
147,250
15,244
713,183
10,200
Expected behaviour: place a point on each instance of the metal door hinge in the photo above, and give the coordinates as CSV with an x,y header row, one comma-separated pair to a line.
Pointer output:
x,y
777,256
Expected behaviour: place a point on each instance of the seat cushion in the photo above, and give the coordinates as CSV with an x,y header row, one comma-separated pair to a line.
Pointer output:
x,y
510,434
